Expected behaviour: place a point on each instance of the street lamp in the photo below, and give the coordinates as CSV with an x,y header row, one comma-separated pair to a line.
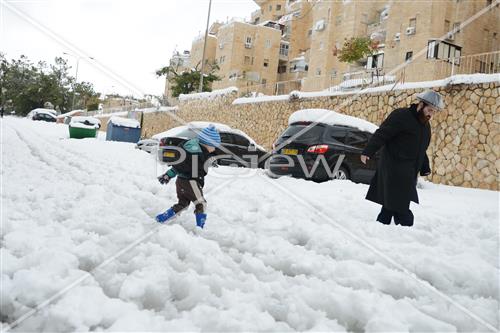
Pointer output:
x,y
205,47
76,75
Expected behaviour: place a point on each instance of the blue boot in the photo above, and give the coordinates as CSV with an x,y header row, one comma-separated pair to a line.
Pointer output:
x,y
200,219
164,217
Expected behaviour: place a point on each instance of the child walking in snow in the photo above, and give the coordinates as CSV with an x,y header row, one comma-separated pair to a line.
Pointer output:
x,y
191,174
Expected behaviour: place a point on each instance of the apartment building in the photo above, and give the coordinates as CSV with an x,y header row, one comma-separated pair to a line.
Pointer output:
x,y
270,10
293,44
179,62
247,54
405,30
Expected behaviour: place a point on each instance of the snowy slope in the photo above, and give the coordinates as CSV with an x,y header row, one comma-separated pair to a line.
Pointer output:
x,y
275,255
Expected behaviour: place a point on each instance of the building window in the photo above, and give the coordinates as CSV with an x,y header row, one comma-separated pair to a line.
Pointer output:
x,y
443,50
338,20
409,56
486,33
446,25
284,49
375,61
248,42
270,8
268,43
309,33
264,81
318,71
222,60
321,45
456,27
278,7
413,22
281,69
266,62
247,60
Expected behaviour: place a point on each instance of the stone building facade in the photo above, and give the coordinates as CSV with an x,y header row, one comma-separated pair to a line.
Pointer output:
x,y
312,32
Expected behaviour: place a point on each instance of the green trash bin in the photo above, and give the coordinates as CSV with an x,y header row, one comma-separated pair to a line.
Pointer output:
x,y
83,127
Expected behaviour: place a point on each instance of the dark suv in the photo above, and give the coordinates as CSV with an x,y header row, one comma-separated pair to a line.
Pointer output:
x,y
243,151
315,153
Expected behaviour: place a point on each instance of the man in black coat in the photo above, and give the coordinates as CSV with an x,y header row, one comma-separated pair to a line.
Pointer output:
x,y
403,137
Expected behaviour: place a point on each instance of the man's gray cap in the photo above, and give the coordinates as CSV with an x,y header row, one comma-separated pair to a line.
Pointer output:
x,y
432,98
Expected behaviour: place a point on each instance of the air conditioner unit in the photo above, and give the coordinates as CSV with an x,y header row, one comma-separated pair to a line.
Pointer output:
x,y
248,45
410,30
397,37
450,36
221,46
320,25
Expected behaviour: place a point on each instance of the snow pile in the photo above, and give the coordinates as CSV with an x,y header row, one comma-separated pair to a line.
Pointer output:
x,y
117,114
198,125
70,114
331,118
160,109
353,83
208,94
275,255
85,122
452,80
124,122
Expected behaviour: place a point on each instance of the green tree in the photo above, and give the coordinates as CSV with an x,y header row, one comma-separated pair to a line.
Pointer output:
x,y
26,86
357,48
188,81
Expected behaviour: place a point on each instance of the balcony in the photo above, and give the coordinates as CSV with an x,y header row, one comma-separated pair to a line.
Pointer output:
x,y
377,31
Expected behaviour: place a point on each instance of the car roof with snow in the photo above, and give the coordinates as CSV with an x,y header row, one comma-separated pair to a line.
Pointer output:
x,y
330,117
198,125
50,112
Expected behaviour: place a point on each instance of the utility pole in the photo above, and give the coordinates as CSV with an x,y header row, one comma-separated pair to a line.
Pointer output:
x,y
76,76
205,47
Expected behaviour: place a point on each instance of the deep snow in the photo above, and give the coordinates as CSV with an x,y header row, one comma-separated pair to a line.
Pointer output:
x,y
267,260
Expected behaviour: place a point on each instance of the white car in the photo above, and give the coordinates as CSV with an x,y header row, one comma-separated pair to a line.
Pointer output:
x,y
149,145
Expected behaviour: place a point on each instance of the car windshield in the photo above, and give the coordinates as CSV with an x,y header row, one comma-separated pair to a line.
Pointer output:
x,y
312,133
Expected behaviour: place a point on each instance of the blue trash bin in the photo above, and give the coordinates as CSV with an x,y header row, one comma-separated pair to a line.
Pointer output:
x,y
123,129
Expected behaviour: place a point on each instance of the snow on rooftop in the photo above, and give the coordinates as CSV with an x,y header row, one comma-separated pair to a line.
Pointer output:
x,y
208,94
331,117
124,122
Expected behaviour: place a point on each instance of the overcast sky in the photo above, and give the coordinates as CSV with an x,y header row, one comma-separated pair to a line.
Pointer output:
x,y
128,39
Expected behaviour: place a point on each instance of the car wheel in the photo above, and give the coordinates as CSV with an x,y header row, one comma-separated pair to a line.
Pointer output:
x,y
342,174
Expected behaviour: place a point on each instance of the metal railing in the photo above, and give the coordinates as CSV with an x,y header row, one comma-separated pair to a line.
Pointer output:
x,y
487,63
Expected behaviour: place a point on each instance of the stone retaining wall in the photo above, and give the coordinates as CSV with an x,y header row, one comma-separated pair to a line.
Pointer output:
x,y
465,147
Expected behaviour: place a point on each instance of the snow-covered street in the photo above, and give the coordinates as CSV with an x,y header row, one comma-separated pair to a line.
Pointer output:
x,y
275,255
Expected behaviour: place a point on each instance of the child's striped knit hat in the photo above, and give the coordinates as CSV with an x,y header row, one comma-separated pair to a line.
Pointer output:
x,y
209,136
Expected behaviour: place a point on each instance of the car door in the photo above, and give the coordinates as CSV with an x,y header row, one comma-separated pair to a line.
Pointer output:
x,y
225,156
245,151
356,141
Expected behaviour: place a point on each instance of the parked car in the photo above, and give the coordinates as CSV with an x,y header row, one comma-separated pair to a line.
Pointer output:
x,y
241,150
330,136
45,116
148,145
33,112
